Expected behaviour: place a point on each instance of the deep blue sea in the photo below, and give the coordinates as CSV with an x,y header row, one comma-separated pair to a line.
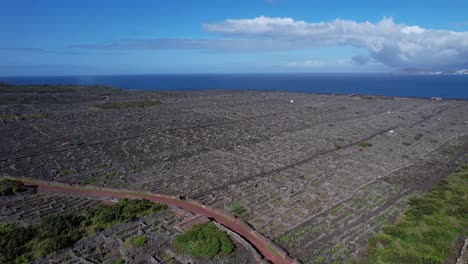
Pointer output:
x,y
447,86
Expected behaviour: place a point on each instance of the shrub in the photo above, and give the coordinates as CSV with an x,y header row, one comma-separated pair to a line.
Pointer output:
x,y
237,209
365,144
8,187
123,211
204,240
22,244
139,241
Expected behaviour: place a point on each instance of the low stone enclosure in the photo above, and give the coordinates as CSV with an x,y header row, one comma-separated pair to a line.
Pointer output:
x,y
318,176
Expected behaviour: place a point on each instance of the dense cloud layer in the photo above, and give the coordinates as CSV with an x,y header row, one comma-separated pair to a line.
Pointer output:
x,y
395,45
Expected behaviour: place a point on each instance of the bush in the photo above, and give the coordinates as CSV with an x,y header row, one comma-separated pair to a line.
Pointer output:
x,y
14,241
9,187
204,240
237,209
124,211
365,144
22,244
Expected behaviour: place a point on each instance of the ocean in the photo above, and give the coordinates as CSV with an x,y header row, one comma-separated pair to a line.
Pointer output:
x,y
446,86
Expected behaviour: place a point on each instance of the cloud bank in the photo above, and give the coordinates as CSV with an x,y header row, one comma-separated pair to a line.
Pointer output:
x,y
386,42
394,45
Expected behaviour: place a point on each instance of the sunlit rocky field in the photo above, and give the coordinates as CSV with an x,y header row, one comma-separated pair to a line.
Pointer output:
x,y
318,174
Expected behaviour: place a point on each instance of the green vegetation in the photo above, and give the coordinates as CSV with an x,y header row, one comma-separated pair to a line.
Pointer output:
x,y
136,242
204,240
237,209
101,165
452,150
429,228
123,211
8,187
365,144
23,117
128,104
102,178
65,172
21,244
50,88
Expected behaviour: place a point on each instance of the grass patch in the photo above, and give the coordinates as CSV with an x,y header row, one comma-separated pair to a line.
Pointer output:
x,y
59,88
452,150
365,144
136,242
204,240
103,178
237,209
9,187
101,165
429,228
125,210
128,104
20,244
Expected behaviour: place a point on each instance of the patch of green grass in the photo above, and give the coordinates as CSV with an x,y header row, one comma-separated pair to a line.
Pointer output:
x,y
452,150
65,172
103,178
52,88
136,242
365,144
128,104
101,165
204,240
117,261
237,209
336,209
8,187
22,244
123,211
429,228
139,241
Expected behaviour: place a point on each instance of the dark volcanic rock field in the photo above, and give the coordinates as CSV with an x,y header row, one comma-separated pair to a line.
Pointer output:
x,y
319,174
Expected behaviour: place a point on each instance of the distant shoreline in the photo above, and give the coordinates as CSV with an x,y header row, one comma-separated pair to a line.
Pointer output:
x,y
382,84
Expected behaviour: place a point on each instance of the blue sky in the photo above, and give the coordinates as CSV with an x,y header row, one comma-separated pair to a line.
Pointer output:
x,y
145,37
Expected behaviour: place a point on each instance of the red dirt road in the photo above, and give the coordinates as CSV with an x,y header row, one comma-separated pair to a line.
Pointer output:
x,y
265,249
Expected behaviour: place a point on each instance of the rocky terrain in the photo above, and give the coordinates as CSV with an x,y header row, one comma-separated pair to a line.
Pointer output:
x,y
318,174
114,244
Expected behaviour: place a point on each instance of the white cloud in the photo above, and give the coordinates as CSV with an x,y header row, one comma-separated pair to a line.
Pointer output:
x,y
394,45
306,64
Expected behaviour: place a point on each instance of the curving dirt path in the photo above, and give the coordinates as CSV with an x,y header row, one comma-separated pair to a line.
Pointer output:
x,y
266,249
